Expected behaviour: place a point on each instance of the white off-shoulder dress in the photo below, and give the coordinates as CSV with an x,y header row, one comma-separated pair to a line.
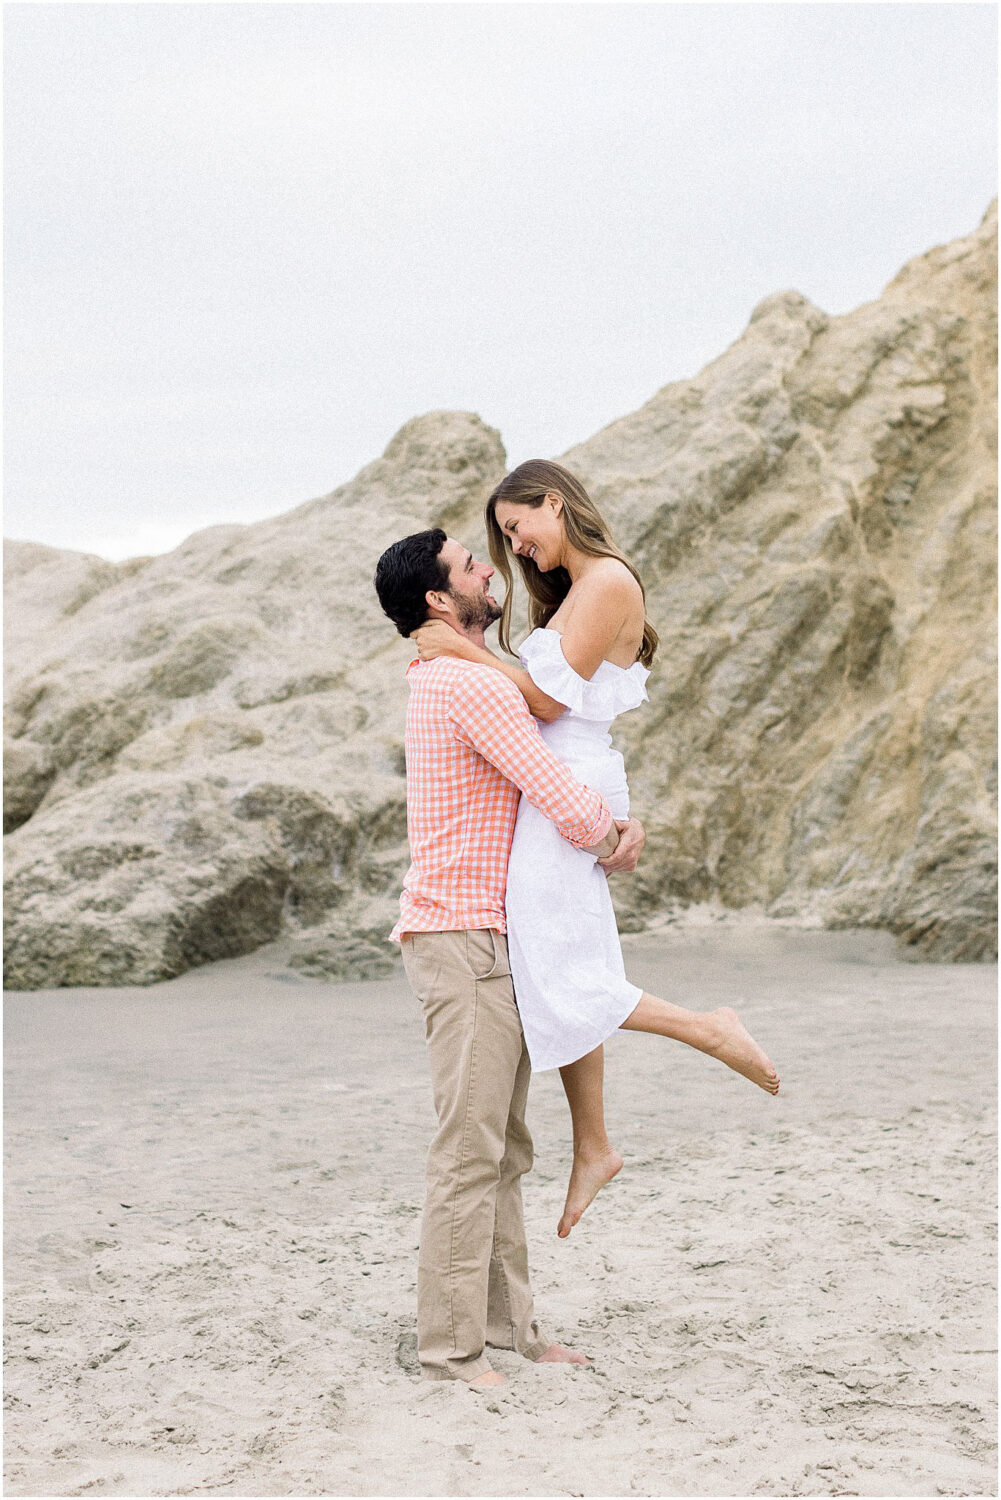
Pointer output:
x,y
566,961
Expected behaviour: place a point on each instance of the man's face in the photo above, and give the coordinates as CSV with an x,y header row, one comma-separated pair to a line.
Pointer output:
x,y
469,587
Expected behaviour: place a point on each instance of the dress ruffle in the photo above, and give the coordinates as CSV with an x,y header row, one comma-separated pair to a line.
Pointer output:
x,y
611,691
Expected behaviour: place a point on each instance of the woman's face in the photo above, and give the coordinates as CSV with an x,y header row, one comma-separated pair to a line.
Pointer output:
x,y
534,531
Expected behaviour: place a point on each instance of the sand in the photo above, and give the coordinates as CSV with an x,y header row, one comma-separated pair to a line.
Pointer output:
x,y
213,1202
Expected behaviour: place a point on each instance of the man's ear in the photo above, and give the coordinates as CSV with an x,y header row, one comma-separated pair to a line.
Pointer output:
x,y
439,602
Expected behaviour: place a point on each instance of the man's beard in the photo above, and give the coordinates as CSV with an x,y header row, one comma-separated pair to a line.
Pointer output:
x,y
475,614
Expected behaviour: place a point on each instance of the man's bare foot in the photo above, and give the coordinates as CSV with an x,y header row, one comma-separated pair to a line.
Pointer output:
x,y
587,1178
556,1354
487,1379
738,1049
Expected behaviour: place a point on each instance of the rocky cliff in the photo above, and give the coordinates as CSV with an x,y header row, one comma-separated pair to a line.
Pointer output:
x,y
205,748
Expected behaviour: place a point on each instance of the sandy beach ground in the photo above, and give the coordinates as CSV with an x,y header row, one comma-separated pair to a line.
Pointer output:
x,y
213,1196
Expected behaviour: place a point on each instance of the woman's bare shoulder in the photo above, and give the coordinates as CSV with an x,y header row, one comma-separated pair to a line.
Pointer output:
x,y
609,578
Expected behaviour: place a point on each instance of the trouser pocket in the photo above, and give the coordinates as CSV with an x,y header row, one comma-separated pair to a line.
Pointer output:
x,y
423,961
486,953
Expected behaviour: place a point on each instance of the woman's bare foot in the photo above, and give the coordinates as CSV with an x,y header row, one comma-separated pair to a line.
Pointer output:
x,y
487,1379
738,1049
588,1176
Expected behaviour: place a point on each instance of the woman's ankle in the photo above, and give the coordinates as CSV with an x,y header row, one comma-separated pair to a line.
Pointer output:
x,y
593,1149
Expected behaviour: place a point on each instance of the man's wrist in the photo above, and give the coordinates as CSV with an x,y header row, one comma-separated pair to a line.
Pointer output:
x,y
607,844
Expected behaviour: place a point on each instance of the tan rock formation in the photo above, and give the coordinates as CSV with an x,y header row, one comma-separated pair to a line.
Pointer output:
x,y
206,747
816,516
209,748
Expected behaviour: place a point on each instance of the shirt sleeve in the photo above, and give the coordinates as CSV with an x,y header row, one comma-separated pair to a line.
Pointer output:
x,y
489,715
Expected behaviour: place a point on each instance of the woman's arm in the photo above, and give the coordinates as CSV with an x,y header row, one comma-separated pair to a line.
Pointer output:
x,y
438,639
604,601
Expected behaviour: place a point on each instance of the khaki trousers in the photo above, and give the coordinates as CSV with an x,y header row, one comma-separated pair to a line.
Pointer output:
x,y
472,1271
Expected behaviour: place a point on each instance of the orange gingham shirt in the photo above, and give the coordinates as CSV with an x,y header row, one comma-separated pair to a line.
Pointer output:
x,y
472,749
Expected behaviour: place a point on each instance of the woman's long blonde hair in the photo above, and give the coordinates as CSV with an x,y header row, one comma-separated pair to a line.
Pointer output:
x,y
586,530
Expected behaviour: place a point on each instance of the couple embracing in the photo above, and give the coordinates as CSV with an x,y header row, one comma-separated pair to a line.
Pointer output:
x,y
517,813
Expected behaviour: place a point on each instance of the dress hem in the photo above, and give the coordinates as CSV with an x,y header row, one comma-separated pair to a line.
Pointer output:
x,y
600,1039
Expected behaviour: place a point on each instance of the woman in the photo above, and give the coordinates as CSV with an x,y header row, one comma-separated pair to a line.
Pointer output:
x,y
585,661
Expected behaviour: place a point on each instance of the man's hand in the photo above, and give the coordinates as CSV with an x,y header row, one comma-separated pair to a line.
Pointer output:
x,y
626,854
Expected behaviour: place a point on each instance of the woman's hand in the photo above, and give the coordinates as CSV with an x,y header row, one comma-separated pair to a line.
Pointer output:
x,y
435,638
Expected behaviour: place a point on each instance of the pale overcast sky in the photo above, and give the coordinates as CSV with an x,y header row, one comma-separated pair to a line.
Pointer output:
x,y
245,243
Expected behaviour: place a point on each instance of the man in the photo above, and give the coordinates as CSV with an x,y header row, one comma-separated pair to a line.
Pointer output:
x,y
472,750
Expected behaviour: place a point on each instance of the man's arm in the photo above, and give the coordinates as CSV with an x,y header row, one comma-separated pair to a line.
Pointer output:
x,y
491,717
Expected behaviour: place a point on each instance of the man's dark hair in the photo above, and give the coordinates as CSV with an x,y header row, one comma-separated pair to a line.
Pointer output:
x,y
405,572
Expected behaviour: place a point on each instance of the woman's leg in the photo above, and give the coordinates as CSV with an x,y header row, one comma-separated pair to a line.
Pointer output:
x,y
717,1032
595,1162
